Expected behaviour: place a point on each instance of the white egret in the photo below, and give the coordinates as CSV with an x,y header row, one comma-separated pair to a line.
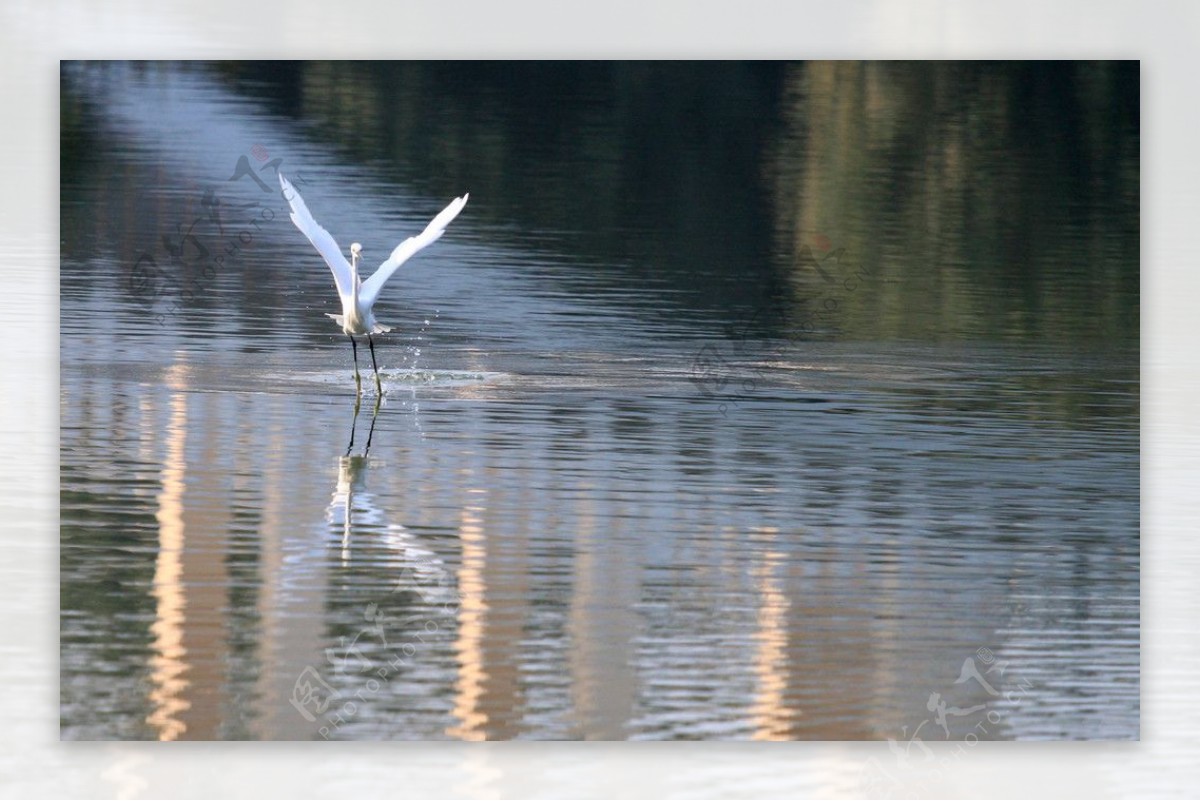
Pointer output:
x,y
358,296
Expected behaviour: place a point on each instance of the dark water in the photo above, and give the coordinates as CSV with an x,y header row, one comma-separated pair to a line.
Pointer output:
x,y
756,401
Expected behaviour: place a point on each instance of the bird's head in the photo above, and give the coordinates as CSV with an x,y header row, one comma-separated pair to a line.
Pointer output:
x,y
355,249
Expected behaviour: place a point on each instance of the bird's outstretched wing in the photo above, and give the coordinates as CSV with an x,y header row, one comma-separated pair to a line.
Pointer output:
x,y
369,290
321,239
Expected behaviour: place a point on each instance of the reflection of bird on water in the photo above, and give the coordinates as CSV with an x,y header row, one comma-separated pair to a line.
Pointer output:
x,y
420,569
351,475
358,296
370,432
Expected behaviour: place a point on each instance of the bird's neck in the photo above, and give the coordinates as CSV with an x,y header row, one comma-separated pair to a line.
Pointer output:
x,y
355,281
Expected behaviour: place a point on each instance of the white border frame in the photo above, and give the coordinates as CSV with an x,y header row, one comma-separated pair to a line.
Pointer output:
x,y
35,35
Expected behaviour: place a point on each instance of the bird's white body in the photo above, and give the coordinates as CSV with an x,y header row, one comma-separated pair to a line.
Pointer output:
x,y
356,318
358,296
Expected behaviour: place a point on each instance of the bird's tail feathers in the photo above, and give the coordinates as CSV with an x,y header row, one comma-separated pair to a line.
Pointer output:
x,y
341,320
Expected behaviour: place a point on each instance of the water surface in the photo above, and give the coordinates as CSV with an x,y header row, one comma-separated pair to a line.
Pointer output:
x,y
743,401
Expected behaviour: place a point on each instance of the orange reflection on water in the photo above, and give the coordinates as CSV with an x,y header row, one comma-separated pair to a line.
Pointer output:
x,y
189,685
770,714
471,611
167,665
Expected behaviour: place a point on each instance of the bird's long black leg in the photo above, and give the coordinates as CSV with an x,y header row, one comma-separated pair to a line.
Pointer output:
x,y
378,386
354,349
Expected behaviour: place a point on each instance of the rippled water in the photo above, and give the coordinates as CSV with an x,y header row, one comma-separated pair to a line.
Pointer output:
x,y
709,418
